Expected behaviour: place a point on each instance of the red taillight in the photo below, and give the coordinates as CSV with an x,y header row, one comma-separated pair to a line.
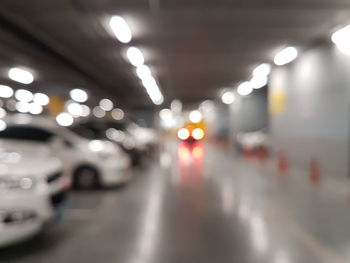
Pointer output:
x,y
183,134
198,134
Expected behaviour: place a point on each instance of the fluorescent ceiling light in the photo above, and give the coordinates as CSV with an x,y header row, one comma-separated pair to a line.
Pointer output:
x,y
228,97
24,95
342,39
143,72
135,56
64,119
20,75
286,56
259,81
195,116
244,89
262,70
106,104
5,91
118,114
78,95
120,29
41,99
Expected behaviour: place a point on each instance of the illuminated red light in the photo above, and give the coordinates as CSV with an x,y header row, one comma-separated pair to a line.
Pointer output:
x,y
198,134
183,134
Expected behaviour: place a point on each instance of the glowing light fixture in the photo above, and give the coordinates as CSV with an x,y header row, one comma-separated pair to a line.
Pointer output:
x,y
143,72
228,97
35,108
258,81
20,75
135,56
106,104
85,111
118,114
342,39
24,95
64,119
120,29
98,112
244,89
75,109
5,91
41,99
286,56
195,116
78,95
262,70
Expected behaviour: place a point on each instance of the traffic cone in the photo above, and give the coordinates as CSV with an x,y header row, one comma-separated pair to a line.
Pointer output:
x,y
262,155
247,152
282,165
315,176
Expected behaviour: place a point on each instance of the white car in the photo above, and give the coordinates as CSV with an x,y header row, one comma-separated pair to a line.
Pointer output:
x,y
92,163
33,190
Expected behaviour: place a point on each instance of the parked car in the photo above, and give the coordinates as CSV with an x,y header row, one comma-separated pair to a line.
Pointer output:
x,y
92,163
101,130
33,188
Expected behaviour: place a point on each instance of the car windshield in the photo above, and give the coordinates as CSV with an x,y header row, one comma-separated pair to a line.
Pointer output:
x,y
25,133
87,132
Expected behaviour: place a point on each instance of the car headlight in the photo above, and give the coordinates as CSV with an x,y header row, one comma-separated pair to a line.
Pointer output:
x,y
22,183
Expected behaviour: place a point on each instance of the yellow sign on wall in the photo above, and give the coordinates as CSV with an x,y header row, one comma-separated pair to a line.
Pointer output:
x,y
277,102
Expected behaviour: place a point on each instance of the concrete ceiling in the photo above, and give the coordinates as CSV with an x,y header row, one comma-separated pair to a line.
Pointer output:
x,y
194,47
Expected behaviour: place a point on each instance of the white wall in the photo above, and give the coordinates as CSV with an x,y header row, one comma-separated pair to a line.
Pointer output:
x,y
316,119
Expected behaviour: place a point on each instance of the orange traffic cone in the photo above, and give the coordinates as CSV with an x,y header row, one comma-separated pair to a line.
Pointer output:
x,y
262,155
282,165
247,152
315,176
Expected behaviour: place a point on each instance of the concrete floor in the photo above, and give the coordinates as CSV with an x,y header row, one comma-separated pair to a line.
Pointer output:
x,y
199,204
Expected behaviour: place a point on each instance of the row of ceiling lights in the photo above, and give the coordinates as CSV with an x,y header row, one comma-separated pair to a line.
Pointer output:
x,y
75,108
260,75
27,102
341,38
122,32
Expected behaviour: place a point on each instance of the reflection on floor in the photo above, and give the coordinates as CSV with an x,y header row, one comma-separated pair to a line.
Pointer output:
x,y
200,203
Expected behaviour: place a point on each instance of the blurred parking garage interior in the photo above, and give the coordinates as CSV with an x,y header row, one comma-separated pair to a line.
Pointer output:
x,y
160,131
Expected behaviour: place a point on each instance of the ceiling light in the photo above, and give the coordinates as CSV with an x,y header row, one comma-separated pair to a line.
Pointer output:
x,y
5,91
244,89
22,107
78,95
98,112
120,29
20,75
117,114
106,104
64,119
85,111
41,99
259,81
341,39
262,70
135,56
195,116
286,56
143,72
35,108
228,97
24,95
75,109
